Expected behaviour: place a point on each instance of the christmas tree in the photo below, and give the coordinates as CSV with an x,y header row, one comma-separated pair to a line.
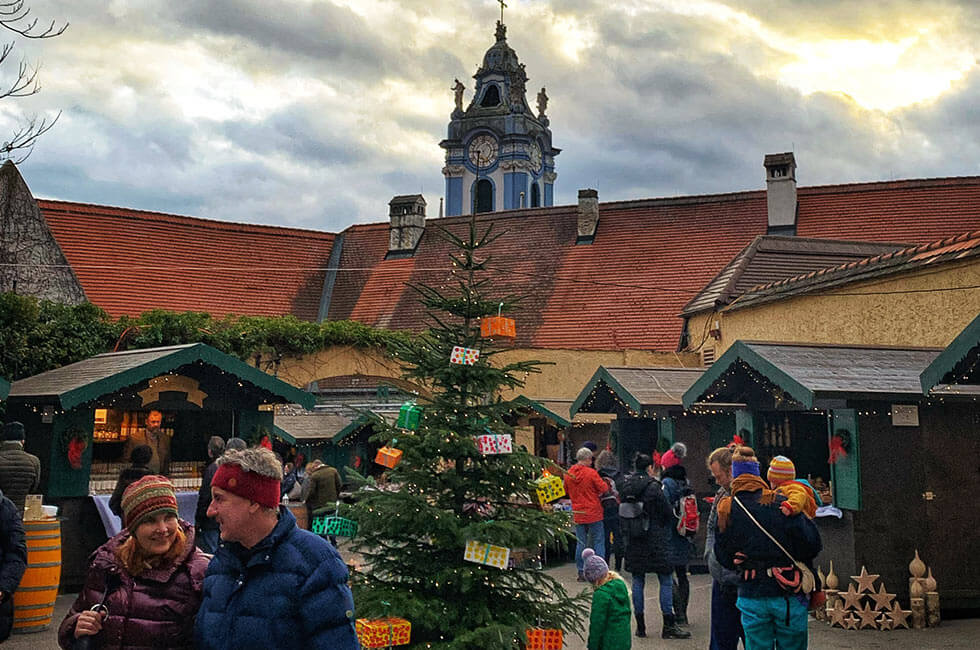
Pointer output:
x,y
444,493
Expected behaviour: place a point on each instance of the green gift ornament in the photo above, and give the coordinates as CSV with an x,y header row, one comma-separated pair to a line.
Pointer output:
x,y
408,416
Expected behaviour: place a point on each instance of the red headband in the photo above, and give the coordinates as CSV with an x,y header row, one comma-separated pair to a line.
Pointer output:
x,y
264,490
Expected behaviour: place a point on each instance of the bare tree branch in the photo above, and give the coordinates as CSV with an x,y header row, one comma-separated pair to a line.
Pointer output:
x,y
14,15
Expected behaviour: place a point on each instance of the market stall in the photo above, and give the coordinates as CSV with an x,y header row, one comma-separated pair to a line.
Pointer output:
x,y
83,420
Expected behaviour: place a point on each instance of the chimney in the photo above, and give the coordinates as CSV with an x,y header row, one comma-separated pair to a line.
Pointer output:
x,y
781,193
407,215
588,215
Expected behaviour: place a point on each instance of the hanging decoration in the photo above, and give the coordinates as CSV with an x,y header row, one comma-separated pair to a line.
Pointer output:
x,y
409,416
388,456
383,632
498,326
493,443
544,639
483,553
549,488
74,441
840,444
464,356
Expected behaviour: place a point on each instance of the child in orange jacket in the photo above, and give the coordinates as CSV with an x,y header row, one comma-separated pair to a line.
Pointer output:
x,y
800,496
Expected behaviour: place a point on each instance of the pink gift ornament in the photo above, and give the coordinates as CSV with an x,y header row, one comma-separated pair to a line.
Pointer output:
x,y
487,444
464,356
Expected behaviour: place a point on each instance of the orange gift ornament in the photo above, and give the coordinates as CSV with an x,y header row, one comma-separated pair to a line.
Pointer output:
x,y
498,326
544,639
388,456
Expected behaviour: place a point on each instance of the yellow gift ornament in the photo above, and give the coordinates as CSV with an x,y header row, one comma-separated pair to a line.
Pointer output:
x,y
482,553
549,488
383,632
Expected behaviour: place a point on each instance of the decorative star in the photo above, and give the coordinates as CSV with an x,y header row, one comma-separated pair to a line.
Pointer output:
x,y
851,622
867,615
883,599
885,622
899,616
837,616
866,581
852,597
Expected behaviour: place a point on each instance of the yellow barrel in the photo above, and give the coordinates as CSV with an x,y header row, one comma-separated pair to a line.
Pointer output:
x,y
298,508
34,598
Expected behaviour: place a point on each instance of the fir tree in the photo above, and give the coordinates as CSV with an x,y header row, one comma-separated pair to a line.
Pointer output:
x,y
444,491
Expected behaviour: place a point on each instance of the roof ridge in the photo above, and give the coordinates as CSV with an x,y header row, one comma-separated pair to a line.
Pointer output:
x,y
847,346
865,186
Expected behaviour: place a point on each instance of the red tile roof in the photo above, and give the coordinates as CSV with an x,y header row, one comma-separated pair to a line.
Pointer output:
x,y
130,261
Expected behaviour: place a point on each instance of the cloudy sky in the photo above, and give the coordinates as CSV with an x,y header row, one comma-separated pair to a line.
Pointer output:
x,y
314,113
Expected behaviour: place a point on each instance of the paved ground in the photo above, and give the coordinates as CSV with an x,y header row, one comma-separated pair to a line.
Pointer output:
x,y
963,633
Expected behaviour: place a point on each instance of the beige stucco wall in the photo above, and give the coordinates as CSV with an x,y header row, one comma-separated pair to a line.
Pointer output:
x,y
564,379
931,317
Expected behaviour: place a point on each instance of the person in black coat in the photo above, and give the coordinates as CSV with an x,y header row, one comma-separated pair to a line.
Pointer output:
x,y
608,470
139,459
646,545
13,561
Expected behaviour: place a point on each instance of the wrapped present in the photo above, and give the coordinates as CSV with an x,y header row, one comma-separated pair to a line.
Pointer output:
x,y
482,553
504,444
497,327
493,443
544,639
334,526
464,356
388,456
408,416
549,488
383,632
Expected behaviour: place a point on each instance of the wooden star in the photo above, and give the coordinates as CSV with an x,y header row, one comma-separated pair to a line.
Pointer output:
x,y
883,599
885,622
851,622
852,597
865,581
899,616
837,616
867,615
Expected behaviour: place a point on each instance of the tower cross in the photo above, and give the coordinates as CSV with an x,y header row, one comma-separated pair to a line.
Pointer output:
x,y
502,5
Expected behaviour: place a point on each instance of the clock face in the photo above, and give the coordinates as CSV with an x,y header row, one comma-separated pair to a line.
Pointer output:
x,y
483,150
535,154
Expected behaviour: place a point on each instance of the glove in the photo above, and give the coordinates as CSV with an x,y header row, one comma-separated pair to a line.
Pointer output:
x,y
741,559
787,508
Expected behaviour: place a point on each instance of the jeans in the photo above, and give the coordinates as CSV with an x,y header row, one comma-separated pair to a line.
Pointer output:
x,y
666,593
614,541
589,536
726,620
207,539
774,622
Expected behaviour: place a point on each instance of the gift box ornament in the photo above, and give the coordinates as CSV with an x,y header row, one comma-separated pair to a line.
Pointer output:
x,y
464,356
493,443
498,327
408,416
483,553
334,526
549,488
388,456
544,639
383,632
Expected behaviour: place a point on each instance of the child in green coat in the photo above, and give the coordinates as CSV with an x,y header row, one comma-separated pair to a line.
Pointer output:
x,y
609,623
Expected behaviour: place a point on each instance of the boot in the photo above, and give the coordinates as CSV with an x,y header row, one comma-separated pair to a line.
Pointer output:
x,y
680,618
641,625
671,631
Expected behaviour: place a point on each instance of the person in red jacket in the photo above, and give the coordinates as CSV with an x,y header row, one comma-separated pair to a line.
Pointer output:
x,y
584,486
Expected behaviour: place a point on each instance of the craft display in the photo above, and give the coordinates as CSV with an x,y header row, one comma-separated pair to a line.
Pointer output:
x,y
388,456
383,632
861,605
549,488
408,416
493,443
544,639
464,356
483,553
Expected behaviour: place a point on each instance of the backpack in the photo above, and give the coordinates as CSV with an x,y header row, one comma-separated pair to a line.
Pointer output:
x,y
687,514
610,498
633,521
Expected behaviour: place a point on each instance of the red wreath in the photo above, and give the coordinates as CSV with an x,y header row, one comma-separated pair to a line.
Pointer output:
x,y
264,442
840,444
74,442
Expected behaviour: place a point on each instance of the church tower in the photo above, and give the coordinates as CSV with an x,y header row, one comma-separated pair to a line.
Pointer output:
x,y
498,152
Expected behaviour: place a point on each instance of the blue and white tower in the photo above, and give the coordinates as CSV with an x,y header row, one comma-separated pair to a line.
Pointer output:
x,y
498,152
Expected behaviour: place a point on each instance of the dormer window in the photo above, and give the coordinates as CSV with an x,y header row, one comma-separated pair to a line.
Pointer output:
x,y
491,97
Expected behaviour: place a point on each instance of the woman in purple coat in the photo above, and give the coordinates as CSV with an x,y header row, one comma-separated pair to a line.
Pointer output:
x,y
148,577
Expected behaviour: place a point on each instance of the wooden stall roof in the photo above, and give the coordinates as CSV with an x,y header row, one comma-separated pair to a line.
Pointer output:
x,y
638,388
810,372
555,409
4,388
954,370
104,374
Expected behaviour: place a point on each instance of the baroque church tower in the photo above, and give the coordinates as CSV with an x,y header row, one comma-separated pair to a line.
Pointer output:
x,y
498,152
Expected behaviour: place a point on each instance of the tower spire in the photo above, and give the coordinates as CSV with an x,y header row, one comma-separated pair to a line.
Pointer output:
x,y
502,6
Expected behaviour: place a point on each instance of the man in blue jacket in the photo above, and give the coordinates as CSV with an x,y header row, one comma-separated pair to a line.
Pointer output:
x,y
270,584
774,612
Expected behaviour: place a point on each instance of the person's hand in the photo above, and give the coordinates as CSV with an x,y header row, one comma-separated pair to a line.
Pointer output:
x,y
741,559
787,508
88,623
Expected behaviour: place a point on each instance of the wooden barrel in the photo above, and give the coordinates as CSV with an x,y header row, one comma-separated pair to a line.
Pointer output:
x,y
35,597
298,508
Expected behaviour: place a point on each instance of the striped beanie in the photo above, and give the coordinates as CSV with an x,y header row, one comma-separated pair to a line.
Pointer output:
x,y
146,497
782,469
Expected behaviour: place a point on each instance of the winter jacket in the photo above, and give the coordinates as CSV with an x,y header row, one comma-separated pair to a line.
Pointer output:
x,y
288,591
13,560
153,610
725,577
609,621
322,490
679,547
646,550
610,509
127,476
801,497
583,486
201,519
20,473
737,533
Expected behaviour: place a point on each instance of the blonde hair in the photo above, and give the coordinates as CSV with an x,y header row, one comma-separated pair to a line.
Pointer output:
x,y
722,456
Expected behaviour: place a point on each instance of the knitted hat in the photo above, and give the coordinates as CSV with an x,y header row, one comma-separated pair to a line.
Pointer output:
x,y
146,497
782,469
744,462
593,566
264,490
674,455
13,431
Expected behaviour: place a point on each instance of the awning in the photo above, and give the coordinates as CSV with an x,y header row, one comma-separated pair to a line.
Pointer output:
x,y
613,389
4,388
332,426
105,374
954,370
556,410
806,373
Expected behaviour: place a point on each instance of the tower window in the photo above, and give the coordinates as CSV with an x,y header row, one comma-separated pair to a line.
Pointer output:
x,y
491,97
535,196
483,197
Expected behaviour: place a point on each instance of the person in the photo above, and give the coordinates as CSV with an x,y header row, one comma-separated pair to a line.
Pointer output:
x,y
157,438
609,620
13,561
773,613
148,577
680,547
139,459
591,446
205,527
235,444
20,472
270,584
726,620
288,479
608,469
646,545
583,487
800,495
